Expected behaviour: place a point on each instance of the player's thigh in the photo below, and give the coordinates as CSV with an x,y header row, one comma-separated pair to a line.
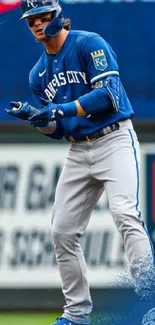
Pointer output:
x,y
76,196
122,185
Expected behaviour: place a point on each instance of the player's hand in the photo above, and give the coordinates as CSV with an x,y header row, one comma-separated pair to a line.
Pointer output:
x,y
21,110
50,112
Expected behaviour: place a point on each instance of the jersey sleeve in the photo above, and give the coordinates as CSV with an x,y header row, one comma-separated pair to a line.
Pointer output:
x,y
102,74
100,60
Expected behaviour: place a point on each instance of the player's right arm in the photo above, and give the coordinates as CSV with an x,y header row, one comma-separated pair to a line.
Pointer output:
x,y
49,129
52,129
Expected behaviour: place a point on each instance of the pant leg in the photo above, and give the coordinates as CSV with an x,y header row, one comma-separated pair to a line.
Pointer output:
x,y
121,181
76,195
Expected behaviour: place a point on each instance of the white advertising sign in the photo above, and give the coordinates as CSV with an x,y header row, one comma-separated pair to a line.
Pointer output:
x,y
28,178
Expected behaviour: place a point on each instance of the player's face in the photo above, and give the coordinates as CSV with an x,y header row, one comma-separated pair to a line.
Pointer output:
x,y
36,24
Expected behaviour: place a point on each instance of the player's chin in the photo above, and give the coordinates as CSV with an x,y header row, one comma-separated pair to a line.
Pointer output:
x,y
41,37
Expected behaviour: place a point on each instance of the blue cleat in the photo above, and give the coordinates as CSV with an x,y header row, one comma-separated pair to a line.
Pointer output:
x,y
64,321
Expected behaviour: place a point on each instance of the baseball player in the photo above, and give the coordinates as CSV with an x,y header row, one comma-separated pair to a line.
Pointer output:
x,y
80,96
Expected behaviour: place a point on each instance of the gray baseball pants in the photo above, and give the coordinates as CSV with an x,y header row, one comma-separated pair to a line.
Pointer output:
x,y
110,163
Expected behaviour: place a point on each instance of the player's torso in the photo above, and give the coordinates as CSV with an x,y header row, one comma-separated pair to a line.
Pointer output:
x,y
64,78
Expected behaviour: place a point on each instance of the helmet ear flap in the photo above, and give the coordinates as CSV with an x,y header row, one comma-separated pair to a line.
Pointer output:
x,y
54,27
56,24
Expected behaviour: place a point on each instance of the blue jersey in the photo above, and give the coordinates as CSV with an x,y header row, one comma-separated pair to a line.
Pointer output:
x,y
80,66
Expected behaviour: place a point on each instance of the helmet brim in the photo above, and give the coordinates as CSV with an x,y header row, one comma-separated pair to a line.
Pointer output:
x,y
35,11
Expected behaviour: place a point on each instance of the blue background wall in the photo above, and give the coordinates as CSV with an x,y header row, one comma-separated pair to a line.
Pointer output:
x,y
128,27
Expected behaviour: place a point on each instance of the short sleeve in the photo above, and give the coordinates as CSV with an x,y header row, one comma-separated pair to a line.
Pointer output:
x,y
99,58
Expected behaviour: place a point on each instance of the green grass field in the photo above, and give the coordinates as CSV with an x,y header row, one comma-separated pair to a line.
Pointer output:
x,y
36,318
27,318
30,318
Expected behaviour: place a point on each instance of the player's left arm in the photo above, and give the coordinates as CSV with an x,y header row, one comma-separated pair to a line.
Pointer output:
x,y
102,74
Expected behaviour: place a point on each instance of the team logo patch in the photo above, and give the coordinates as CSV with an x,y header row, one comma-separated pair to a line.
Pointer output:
x,y
99,60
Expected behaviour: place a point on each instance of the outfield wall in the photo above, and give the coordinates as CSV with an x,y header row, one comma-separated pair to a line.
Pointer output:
x,y
29,174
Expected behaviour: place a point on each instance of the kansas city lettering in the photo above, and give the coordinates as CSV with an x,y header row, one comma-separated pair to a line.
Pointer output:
x,y
62,79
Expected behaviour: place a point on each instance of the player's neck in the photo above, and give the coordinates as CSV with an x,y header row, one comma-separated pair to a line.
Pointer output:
x,y
54,44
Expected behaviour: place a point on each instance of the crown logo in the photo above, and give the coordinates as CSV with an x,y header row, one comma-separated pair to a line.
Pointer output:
x,y
96,54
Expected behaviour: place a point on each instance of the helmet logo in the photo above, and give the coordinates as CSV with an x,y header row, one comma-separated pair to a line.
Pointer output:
x,y
31,3
45,2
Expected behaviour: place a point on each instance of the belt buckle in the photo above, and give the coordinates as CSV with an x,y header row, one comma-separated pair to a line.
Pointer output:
x,y
89,140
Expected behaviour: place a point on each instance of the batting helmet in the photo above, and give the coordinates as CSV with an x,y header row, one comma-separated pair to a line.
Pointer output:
x,y
33,7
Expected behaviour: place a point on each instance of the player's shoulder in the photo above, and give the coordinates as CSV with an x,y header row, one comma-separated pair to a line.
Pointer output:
x,y
88,39
37,69
83,34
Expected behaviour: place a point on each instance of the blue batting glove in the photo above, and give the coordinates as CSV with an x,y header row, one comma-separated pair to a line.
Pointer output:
x,y
40,123
21,110
50,112
54,112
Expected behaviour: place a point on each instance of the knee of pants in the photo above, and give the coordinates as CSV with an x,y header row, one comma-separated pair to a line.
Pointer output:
x,y
63,243
65,224
122,207
125,214
126,223
61,227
